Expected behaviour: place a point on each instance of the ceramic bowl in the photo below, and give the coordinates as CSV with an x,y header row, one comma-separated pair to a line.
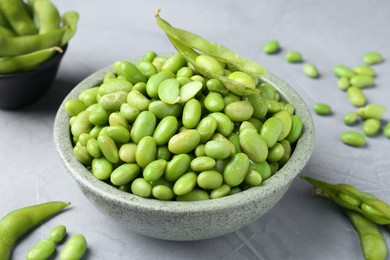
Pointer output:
x,y
180,221
18,90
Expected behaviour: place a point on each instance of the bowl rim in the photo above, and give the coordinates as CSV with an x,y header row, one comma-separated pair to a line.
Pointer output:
x,y
283,177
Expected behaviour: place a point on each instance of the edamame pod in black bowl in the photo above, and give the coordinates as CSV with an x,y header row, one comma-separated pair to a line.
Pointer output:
x,y
21,89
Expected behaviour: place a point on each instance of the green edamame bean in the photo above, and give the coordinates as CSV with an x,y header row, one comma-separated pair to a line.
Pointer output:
x,y
146,151
117,118
114,85
364,70
162,192
93,148
209,179
185,72
97,114
109,76
75,248
165,129
143,126
192,113
84,138
153,84
274,106
259,104
113,101
129,71
147,68
271,47
235,140
343,71
253,178
375,111
81,124
138,100
356,96
220,192
362,81
263,168
239,111
81,154
73,107
174,63
168,91
349,199
254,145
189,90
217,149
58,233
287,152
161,109
118,133
184,142
89,96
209,63
177,167
101,168
129,112
235,190
236,169
185,183
371,126
202,163
108,148
353,138
350,118
289,108
150,55
367,208
206,128
225,125
286,120
199,78
386,130
343,83
230,97
42,250
199,150
294,57
275,153
125,173
322,109
214,102
243,78
271,130
154,170
372,58
194,195
141,87
163,153
141,188
215,85
310,70
296,129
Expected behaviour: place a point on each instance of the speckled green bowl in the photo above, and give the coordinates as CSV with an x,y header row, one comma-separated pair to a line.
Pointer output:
x,y
172,220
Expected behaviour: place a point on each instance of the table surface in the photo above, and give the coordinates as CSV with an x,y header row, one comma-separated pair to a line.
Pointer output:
x,y
301,225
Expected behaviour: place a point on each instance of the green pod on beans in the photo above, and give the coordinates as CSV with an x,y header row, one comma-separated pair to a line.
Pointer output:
x,y
192,113
141,187
271,47
353,138
154,170
114,85
362,81
375,111
239,111
236,169
343,71
42,250
185,183
102,168
225,125
161,109
108,148
129,71
349,199
271,130
194,195
210,179
206,128
176,167
372,58
146,151
143,126
138,100
296,129
165,129
174,63
113,101
253,145
125,173
162,192
70,20
294,57
75,248
371,126
184,142
356,96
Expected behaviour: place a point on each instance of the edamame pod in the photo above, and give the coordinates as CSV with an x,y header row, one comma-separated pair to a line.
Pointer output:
x,y
46,16
18,18
70,20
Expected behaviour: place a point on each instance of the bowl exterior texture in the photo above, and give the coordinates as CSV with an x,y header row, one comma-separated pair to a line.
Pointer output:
x,y
18,90
182,221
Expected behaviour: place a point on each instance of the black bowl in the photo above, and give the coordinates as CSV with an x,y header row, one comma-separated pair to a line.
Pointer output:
x,y
18,90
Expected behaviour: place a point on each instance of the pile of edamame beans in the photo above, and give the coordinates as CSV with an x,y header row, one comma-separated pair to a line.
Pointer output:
x,y
159,129
31,33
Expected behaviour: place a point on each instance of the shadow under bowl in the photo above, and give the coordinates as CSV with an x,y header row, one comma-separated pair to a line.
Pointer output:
x,y
182,221
21,89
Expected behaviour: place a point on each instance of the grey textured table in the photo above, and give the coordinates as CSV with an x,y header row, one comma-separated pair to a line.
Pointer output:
x,y
301,225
